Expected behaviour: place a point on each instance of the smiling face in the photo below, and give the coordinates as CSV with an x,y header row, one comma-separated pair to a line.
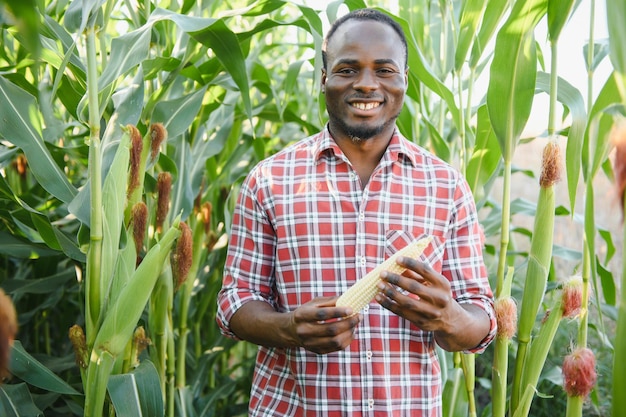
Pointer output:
x,y
365,80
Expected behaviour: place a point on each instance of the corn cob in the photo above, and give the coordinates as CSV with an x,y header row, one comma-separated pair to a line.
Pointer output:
x,y
364,290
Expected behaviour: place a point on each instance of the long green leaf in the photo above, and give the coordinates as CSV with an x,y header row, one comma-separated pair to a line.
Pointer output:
x,y
597,146
46,285
20,125
485,157
559,12
29,369
113,203
421,72
492,15
178,114
22,248
16,401
137,393
513,72
127,51
121,319
471,15
226,46
616,16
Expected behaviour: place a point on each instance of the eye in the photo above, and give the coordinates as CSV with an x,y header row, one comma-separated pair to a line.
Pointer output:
x,y
346,71
386,71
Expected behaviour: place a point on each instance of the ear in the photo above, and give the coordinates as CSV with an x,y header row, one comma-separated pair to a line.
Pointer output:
x,y
406,77
323,81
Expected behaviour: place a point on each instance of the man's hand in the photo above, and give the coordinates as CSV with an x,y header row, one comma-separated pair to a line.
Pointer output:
x,y
321,327
318,326
429,305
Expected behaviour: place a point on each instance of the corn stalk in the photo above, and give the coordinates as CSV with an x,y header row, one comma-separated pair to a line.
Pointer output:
x,y
509,100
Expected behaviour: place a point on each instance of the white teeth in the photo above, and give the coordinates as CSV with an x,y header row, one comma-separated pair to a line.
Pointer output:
x,y
365,106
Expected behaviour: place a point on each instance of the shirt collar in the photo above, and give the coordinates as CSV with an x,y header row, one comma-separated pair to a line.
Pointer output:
x,y
398,145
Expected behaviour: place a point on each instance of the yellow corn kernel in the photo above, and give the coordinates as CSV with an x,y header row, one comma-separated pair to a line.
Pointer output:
x,y
364,290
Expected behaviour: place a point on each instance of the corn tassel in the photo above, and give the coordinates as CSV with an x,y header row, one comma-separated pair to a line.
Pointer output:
x,y
364,290
506,331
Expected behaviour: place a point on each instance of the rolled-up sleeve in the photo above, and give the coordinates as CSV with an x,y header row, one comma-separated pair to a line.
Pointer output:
x,y
249,267
463,261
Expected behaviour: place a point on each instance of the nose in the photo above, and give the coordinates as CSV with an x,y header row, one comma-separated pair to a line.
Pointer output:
x,y
366,80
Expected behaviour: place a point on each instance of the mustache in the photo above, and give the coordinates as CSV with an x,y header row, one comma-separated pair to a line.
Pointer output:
x,y
360,96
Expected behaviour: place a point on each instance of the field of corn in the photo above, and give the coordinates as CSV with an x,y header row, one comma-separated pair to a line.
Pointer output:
x,y
127,126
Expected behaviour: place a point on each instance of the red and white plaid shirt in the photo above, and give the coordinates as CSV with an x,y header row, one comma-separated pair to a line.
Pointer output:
x,y
305,228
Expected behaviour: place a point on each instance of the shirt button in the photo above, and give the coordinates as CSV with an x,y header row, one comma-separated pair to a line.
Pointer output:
x,y
366,308
361,217
370,403
353,175
363,261
369,355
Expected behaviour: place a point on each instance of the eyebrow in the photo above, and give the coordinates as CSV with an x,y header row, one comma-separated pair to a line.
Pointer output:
x,y
348,61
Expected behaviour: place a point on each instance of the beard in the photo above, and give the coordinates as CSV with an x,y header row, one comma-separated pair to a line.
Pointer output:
x,y
361,132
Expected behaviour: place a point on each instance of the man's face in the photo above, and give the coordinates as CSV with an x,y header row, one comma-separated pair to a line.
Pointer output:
x,y
365,79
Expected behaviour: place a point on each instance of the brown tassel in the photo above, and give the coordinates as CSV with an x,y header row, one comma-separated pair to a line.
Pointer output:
x,y
164,187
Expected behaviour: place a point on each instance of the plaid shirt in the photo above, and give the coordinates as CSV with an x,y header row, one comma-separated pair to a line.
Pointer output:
x,y
305,228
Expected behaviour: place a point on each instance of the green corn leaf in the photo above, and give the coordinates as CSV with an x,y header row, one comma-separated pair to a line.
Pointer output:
x,y
596,145
178,114
616,16
127,51
30,370
559,12
128,103
492,15
263,7
422,73
138,392
22,248
52,30
485,158
124,268
471,15
81,13
538,262
46,285
454,395
121,319
20,125
513,73
226,46
537,356
113,203
573,100
53,237
16,401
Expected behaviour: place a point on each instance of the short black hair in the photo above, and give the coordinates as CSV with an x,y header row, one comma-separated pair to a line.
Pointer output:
x,y
365,14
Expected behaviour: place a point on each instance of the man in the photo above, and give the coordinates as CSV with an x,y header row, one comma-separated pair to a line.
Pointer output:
x,y
317,216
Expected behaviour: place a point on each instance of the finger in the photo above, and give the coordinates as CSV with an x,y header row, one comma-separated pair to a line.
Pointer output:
x,y
423,272
322,309
412,285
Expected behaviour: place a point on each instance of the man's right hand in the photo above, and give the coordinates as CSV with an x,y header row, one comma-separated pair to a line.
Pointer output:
x,y
318,326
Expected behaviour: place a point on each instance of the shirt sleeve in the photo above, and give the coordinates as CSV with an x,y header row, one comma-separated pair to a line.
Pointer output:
x,y
463,262
249,268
